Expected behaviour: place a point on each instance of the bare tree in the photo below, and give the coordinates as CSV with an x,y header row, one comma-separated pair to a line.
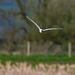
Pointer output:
x,y
10,28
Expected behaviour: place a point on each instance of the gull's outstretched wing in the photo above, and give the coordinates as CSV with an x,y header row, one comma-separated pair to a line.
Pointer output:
x,y
52,29
34,23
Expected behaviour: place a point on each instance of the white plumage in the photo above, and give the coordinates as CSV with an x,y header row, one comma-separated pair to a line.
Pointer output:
x,y
41,30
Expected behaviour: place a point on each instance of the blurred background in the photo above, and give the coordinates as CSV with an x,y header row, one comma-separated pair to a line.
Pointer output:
x,y
21,44
19,36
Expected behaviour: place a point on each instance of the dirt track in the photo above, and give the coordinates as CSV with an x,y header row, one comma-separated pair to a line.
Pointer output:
x,y
23,69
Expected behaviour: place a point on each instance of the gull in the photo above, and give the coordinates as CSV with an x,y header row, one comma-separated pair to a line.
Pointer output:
x,y
41,30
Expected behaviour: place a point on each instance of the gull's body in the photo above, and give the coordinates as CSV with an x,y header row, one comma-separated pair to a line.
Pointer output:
x,y
41,30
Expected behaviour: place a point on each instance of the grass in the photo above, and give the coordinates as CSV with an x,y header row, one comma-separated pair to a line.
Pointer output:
x,y
36,59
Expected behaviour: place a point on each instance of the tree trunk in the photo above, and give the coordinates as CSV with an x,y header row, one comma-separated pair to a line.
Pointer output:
x,y
28,48
39,5
10,42
69,49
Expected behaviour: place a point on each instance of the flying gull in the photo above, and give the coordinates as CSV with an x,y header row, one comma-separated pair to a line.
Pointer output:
x,y
41,30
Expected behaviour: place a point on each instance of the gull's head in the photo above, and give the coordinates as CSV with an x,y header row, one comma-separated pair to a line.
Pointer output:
x,y
40,30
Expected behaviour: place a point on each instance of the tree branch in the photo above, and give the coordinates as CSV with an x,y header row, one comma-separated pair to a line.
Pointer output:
x,y
17,30
23,13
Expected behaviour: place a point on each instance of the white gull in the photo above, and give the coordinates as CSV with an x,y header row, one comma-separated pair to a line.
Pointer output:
x,y
41,30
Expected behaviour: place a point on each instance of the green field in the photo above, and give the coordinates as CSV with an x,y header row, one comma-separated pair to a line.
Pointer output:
x,y
36,59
